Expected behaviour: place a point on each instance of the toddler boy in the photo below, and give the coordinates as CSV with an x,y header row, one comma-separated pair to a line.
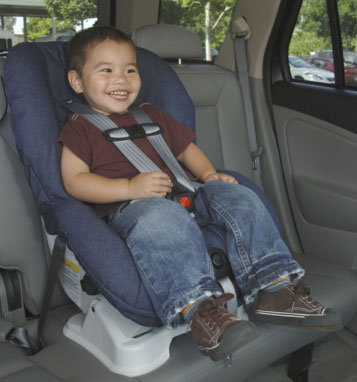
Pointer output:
x,y
164,239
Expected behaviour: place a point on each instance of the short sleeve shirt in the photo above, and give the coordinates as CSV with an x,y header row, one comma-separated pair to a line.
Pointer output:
x,y
103,158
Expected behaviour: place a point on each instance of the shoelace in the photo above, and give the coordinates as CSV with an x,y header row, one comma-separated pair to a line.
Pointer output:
x,y
212,312
302,291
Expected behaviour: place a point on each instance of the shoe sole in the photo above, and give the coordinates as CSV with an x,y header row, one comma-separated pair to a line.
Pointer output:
x,y
331,321
233,338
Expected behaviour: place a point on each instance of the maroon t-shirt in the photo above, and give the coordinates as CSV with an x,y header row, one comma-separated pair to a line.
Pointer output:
x,y
103,158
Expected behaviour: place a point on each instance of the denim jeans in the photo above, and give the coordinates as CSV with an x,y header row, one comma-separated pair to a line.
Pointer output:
x,y
170,253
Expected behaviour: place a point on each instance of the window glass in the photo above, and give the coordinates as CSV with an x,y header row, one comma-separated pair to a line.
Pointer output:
x,y
347,10
312,39
210,19
44,20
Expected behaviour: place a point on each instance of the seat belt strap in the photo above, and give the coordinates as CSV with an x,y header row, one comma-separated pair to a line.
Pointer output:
x,y
240,32
57,259
163,149
128,148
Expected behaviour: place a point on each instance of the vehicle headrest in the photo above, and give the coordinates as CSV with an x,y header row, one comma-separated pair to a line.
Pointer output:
x,y
169,41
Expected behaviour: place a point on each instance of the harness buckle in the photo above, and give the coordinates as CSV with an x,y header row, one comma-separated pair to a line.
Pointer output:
x,y
141,130
182,195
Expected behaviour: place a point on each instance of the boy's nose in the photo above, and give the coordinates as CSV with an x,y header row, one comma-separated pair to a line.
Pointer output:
x,y
120,78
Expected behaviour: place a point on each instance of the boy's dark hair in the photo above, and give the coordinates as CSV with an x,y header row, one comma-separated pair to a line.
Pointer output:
x,y
88,38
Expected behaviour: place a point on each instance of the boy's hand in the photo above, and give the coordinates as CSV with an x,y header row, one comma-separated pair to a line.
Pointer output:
x,y
149,184
220,176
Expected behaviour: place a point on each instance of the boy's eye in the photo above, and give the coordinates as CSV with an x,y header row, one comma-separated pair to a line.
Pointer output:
x,y
131,70
106,70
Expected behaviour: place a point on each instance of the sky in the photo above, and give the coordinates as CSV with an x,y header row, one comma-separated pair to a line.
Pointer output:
x,y
18,25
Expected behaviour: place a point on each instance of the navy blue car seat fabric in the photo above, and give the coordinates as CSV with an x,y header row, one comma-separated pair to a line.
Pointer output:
x,y
35,77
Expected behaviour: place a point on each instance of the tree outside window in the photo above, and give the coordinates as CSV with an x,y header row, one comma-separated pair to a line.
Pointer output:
x,y
209,19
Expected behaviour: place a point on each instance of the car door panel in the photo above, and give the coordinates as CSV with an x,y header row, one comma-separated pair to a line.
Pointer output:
x,y
319,160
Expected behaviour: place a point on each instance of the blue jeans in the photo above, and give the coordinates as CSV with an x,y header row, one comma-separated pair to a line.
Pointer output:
x,y
170,253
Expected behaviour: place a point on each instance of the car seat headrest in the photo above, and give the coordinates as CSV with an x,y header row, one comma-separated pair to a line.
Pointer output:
x,y
169,41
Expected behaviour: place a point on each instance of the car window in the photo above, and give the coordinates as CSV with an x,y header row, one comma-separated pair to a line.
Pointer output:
x,y
347,10
47,20
210,19
311,38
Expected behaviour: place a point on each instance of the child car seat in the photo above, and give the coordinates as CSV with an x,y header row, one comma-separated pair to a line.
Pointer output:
x,y
36,84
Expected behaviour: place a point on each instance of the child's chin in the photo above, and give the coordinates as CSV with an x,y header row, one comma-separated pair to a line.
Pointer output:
x,y
117,110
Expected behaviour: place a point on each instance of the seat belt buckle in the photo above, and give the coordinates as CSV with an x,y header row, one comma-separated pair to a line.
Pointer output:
x,y
182,195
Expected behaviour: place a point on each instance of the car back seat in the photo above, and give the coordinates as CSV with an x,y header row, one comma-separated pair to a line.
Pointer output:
x,y
334,287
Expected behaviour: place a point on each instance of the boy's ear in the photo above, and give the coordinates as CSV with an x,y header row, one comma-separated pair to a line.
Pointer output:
x,y
75,81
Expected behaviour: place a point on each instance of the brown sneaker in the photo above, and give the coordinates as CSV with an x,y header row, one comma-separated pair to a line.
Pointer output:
x,y
217,332
291,305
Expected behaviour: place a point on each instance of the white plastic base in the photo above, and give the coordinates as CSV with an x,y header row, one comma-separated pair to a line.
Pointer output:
x,y
123,346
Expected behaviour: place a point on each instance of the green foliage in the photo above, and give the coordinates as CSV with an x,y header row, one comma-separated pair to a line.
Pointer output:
x,y
39,26
68,14
348,20
72,9
191,14
304,42
312,31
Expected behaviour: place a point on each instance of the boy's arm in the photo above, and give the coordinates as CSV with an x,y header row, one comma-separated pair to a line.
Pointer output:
x,y
197,162
89,187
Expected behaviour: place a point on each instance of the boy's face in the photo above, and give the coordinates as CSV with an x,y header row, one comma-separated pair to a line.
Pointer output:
x,y
110,79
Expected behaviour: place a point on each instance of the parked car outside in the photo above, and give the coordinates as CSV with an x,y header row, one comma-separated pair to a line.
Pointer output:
x,y
327,64
348,56
324,53
321,62
303,70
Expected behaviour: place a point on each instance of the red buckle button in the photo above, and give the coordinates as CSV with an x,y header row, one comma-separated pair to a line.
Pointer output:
x,y
185,201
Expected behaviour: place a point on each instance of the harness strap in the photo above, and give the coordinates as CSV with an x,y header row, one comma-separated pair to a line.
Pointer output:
x,y
162,148
129,149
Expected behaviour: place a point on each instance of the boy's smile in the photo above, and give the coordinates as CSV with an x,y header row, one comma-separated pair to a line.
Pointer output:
x,y
110,78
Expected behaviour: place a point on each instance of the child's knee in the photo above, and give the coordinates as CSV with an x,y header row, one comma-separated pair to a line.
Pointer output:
x,y
160,212
223,190
230,195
